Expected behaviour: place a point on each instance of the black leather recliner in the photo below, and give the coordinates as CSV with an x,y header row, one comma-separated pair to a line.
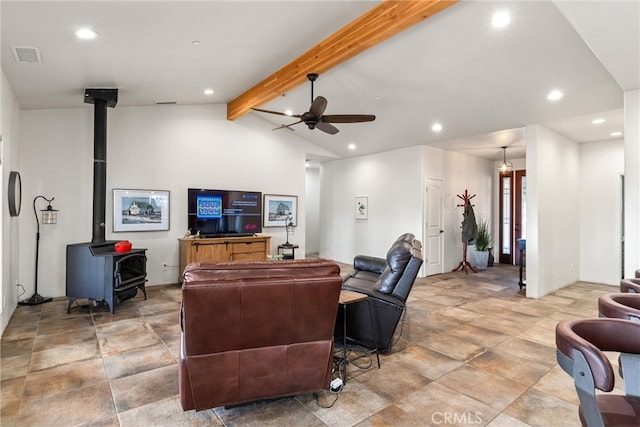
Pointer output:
x,y
387,282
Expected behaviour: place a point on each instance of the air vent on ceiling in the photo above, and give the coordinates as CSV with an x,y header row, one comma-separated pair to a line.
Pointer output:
x,y
166,102
26,54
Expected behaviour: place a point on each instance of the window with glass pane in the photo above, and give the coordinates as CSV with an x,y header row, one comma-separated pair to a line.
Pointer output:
x,y
506,215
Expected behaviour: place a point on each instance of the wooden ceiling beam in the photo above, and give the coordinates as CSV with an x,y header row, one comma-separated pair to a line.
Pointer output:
x,y
383,21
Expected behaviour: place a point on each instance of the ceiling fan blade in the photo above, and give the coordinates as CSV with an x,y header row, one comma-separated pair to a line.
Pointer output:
x,y
318,106
273,112
348,118
287,126
326,127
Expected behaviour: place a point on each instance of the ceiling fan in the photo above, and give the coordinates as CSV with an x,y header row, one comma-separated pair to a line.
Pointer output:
x,y
314,118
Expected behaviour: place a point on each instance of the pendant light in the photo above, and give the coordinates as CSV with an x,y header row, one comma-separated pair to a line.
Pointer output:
x,y
506,167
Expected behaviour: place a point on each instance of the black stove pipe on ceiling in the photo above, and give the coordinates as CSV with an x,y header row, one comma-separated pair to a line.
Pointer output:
x,y
101,99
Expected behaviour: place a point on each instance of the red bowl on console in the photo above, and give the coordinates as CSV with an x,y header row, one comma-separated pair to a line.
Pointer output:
x,y
122,246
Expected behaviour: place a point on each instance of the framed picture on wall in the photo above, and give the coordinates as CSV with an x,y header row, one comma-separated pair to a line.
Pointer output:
x,y
140,210
280,210
362,207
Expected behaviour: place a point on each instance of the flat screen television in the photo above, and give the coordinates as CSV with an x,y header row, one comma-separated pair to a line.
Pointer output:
x,y
224,213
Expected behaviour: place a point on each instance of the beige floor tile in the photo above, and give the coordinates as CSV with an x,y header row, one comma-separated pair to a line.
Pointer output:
x,y
125,335
529,350
284,412
453,347
147,387
61,379
428,363
167,412
392,381
491,389
137,360
503,420
75,406
392,416
64,355
436,404
539,409
355,403
559,384
62,338
515,368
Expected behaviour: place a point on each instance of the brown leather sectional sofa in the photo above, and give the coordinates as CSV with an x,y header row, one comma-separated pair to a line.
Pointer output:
x,y
256,330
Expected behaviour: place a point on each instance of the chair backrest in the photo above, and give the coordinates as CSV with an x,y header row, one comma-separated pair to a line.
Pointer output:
x,y
580,345
631,286
256,330
404,259
620,306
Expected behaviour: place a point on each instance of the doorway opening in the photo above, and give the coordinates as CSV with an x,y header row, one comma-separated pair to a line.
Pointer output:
x,y
513,212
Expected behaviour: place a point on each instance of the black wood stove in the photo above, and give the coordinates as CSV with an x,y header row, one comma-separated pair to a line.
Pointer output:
x,y
95,270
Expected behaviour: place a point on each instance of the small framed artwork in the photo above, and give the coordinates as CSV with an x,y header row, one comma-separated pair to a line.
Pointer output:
x,y
280,210
140,210
362,207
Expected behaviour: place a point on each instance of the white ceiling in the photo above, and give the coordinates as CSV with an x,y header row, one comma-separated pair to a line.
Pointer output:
x,y
483,84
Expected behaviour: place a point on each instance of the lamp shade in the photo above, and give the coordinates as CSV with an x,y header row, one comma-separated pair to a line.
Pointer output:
x,y
49,215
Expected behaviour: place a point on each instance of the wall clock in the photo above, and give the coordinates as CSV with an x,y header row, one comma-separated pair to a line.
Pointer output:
x,y
15,193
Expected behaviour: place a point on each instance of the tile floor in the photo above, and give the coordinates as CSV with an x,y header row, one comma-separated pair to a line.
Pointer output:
x,y
474,351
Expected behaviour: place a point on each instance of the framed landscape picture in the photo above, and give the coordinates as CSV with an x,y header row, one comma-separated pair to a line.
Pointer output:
x,y
140,210
278,209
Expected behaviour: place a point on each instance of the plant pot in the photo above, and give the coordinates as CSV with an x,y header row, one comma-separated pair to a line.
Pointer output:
x,y
482,260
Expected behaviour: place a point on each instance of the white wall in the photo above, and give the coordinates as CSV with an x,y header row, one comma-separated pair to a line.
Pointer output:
x,y
9,233
160,147
632,181
392,181
601,166
474,174
553,211
312,209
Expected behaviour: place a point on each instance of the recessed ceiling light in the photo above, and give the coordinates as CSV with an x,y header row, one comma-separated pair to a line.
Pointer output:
x,y
437,127
500,19
554,95
598,121
289,113
208,91
616,133
196,42
351,146
86,34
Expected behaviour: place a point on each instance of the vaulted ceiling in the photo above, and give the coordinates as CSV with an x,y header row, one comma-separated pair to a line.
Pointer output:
x,y
483,84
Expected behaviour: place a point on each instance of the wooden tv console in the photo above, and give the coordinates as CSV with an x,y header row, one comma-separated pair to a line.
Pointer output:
x,y
254,248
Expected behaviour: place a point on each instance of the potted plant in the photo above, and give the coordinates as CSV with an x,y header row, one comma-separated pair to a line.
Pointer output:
x,y
483,240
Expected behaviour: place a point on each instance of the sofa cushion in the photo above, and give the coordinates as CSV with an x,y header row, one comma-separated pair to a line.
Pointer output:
x,y
397,259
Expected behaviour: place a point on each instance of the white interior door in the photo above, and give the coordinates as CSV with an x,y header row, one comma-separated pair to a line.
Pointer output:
x,y
434,230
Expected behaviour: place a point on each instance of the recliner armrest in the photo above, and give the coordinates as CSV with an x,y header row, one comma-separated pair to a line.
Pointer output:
x,y
369,263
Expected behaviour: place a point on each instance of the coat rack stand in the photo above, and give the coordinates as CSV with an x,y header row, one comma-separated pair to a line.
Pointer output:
x,y
464,264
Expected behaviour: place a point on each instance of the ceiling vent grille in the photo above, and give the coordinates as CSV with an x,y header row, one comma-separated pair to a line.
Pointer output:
x,y
166,102
26,54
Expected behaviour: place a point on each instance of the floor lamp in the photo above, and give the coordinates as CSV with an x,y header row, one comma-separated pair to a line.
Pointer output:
x,y
49,216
